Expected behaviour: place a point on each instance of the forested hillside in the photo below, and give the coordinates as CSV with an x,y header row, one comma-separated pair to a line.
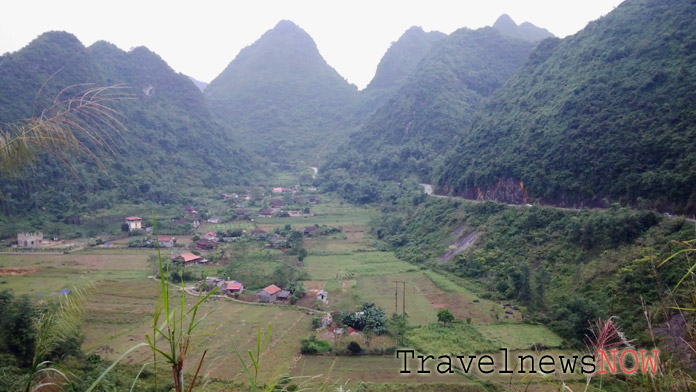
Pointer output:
x,y
399,62
169,144
604,115
406,135
281,98
566,267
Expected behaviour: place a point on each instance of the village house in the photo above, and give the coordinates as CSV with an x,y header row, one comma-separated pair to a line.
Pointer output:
x,y
188,258
233,287
166,242
295,213
277,242
214,220
266,213
206,244
29,240
241,212
134,223
268,294
278,190
210,236
276,205
313,199
211,283
283,295
309,230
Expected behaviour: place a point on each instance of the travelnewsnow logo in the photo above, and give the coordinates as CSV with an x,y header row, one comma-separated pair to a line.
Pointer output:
x,y
628,361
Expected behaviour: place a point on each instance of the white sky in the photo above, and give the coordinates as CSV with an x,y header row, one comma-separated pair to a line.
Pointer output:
x,y
200,38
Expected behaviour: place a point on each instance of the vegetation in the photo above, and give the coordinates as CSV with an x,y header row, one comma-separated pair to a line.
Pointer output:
x,y
445,316
539,255
598,117
164,115
281,98
405,136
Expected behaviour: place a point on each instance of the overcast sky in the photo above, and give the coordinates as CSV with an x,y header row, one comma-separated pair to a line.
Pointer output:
x,y
200,38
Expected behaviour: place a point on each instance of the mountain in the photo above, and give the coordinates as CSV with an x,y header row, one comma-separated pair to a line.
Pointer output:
x,y
603,116
418,124
171,144
398,63
525,31
198,83
281,97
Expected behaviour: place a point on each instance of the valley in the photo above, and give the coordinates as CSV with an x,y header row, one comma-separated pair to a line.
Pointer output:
x,y
491,189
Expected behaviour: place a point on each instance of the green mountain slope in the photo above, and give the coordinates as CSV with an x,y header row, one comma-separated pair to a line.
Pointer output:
x,y
280,96
438,102
604,115
399,62
171,143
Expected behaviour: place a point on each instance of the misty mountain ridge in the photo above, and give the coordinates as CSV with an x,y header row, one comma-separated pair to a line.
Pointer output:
x,y
525,31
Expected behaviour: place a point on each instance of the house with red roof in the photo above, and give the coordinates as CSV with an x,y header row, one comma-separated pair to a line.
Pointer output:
x,y
233,287
134,223
188,258
268,294
165,241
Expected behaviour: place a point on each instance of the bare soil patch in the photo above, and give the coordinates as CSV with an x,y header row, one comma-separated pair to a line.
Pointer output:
x,y
18,271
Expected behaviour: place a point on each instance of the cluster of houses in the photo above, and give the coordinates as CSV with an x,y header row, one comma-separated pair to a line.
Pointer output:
x,y
229,287
268,294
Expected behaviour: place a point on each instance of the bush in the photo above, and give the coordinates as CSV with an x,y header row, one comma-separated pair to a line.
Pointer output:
x,y
314,346
354,348
316,322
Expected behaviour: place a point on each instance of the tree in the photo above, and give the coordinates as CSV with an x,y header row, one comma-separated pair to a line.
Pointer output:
x,y
445,316
301,254
354,347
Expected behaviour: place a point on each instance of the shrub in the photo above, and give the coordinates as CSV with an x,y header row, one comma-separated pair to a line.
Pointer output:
x,y
354,348
314,346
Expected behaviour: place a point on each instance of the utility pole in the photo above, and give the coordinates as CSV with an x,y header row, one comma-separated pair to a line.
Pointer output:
x,y
396,298
403,309
403,300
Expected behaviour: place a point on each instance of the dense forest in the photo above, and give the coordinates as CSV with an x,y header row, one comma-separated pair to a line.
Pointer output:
x,y
168,142
438,102
604,115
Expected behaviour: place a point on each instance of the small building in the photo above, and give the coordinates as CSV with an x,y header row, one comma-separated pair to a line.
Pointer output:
x,y
313,199
295,213
134,223
166,242
188,258
211,282
278,242
210,236
309,230
241,212
323,296
214,220
283,295
234,287
29,240
266,213
276,203
278,190
206,244
268,294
